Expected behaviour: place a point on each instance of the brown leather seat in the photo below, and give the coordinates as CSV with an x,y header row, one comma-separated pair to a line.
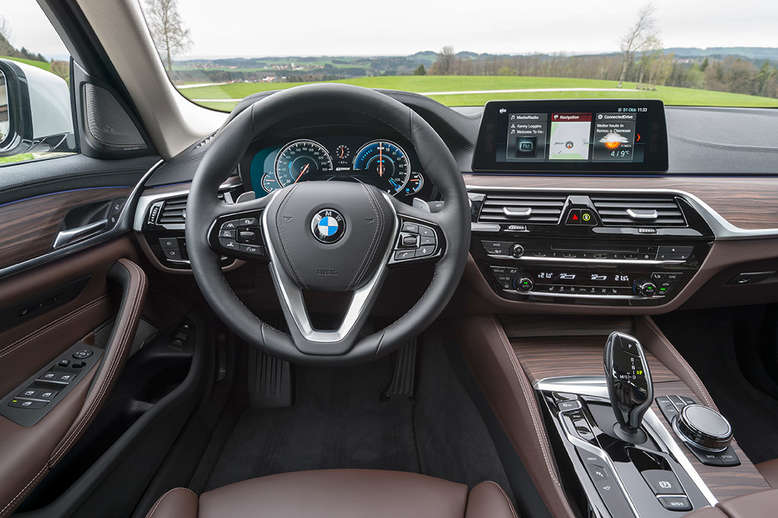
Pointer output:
x,y
769,470
349,493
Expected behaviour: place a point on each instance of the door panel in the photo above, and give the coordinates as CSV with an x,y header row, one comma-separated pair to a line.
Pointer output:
x,y
27,346
29,227
115,288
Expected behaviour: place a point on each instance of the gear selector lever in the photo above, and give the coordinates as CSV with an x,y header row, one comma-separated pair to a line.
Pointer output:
x,y
630,387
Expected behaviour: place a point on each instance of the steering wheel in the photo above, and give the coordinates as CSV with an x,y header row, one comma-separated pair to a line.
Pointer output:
x,y
327,236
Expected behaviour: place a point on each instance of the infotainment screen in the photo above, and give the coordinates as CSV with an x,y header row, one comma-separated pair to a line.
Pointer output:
x,y
572,136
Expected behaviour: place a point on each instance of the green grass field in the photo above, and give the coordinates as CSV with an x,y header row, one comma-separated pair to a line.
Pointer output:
x,y
669,94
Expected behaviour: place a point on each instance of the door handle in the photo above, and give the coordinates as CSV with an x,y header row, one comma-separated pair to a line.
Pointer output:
x,y
70,236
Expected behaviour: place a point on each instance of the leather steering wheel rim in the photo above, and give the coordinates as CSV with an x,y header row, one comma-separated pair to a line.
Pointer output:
x,y
230,144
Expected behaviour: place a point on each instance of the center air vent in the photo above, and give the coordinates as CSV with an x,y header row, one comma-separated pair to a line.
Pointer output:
x,y
173,211
654,211
522,208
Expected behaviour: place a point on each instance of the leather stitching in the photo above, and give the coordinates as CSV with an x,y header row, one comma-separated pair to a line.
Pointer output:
x,y
12,504
122,342
507,500
55,323
526,390
162,498
534,413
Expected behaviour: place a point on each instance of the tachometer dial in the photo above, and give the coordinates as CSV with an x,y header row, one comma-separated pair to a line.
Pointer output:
x,y
386,163
302,160
342,152
269,182
415,184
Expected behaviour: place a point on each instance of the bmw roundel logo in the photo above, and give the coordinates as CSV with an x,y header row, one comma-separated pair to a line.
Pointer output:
x,y
328,226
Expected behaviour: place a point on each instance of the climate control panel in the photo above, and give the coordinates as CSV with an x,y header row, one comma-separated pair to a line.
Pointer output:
x,y
615,283
614,248
574,271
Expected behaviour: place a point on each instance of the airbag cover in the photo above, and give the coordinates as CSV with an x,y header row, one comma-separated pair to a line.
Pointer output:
x,y
330,236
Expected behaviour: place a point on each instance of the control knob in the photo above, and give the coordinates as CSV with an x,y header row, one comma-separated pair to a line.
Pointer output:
x,y
524,284
703,428
646,289
518,250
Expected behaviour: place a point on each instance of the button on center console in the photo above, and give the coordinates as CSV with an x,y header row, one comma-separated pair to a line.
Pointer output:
x,y
662,482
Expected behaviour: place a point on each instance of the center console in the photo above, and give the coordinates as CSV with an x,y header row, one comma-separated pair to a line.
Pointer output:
x,y
627,461
613,249
630,429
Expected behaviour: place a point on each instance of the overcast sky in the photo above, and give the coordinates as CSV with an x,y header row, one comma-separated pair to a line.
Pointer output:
x,y
396,27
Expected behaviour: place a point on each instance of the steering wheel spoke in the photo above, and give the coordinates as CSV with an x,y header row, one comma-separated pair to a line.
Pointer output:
x,y
236,230
419,235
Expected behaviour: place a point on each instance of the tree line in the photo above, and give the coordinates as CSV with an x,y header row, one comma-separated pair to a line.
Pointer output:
x,y
648,70
642,60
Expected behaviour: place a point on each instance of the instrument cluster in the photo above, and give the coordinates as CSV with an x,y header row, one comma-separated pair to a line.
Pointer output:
x,y
386,164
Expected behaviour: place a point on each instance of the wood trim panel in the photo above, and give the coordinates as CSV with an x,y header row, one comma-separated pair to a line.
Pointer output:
x,y
28,227
542,357
567,356
746,202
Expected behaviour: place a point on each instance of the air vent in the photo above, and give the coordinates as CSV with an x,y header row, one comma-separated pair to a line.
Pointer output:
x,y
654,211
522,208
173,211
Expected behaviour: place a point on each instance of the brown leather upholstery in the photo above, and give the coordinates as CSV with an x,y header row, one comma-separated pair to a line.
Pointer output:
x,y
490,356
756,505
339,493
769,470
707,512
177,503
28,453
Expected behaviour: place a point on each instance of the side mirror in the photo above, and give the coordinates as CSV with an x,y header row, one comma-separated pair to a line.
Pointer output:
x,y
34,109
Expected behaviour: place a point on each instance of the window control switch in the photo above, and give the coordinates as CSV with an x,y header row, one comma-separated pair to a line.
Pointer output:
x,y
26,403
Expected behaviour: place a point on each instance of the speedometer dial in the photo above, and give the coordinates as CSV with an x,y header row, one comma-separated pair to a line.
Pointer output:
x,y
302,160
386,163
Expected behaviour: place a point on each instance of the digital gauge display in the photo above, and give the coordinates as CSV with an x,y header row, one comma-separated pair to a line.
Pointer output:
x,y
386,161
302,159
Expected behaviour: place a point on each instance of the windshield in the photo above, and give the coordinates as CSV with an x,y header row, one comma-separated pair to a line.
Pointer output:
x,y
467,53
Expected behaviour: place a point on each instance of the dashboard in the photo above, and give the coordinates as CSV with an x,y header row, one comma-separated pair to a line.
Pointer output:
x,y
548,234
336,155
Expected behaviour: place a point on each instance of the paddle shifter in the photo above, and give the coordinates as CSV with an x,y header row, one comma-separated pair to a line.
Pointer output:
x,y
630,387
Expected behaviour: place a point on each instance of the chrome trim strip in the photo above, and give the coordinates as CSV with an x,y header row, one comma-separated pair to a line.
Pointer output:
x,y
73,235
595,386
645,262
484,227
581,295
145,201
722,229
34,398
292,297
646,215
122,225
517,213
579,443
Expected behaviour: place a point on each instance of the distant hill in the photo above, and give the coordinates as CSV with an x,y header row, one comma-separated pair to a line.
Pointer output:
x,y
428,57
6,49
750,53
325,68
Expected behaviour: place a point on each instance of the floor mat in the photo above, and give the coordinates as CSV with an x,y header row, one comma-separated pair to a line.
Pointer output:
x,y
338,421
709,340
